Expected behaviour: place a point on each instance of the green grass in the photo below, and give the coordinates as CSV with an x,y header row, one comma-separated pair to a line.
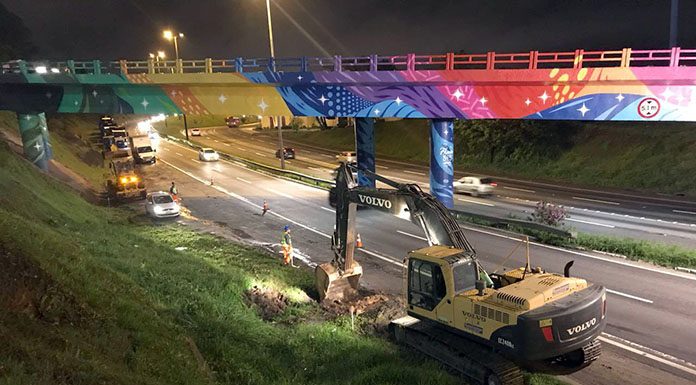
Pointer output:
x,y
174,125
123,300
661,254
651,157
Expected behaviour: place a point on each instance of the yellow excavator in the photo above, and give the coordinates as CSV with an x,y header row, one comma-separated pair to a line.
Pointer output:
x,y
489,327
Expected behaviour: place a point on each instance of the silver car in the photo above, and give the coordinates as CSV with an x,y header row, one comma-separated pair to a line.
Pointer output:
x,y
160,204
208,155
474,185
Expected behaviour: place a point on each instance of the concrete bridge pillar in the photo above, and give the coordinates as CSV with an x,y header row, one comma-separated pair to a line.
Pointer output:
x,y
441,160
34,133
365,148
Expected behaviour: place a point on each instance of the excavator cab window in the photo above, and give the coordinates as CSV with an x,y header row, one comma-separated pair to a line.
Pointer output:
x,y
465,276
426,286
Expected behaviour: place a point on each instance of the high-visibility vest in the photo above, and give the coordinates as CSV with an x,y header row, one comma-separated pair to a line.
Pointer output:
x,y
285,239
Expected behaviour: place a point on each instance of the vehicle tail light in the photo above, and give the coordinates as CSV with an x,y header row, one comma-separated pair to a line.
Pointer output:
x,y
494,184
548,333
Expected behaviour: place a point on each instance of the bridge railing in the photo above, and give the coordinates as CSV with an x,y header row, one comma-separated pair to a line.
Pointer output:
x,y
627,57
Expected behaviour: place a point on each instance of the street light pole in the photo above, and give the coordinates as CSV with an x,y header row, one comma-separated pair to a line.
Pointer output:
x,y
169,35
673,23
270,27
176,47
277,118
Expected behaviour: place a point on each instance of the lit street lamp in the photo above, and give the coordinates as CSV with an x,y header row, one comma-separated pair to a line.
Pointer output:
x,y
169,35
277,118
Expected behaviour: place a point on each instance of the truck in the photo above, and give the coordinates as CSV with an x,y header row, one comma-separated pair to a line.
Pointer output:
x,y
142,150
488,326
124,182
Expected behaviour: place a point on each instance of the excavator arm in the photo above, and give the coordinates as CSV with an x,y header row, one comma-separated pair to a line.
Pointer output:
x,y
406,201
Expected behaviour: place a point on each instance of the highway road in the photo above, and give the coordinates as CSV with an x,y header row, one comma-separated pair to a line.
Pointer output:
x,y
671,220
650,332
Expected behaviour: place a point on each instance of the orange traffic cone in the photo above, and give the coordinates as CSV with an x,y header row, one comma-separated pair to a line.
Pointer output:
x,y
358,242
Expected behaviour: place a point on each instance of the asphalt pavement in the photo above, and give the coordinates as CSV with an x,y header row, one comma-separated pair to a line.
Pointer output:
x,y
651,310
670,220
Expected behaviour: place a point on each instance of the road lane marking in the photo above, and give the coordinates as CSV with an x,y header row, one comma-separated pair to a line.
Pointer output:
x,y
597,201
414,172
180,154
384,167
226,144
664,358
519,189
476,202
412,235
617,262
327,209
196,160
628,296
684,212
217,141
590,223
260,154
242,148
243,180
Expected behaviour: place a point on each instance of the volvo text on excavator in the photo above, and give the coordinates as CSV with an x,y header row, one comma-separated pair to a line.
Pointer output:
x,y
487,326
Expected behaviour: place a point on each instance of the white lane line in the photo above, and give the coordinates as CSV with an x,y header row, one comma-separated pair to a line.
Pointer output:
x,y
597,200
628,296
165,149
412,235
617,262
319,169
241,148
260,154
664,358
684,212
243,180
384,167
327,209
196,160
226,144
476,202
590,223
217,141
275,213
519,189
284,194
180,154
414,172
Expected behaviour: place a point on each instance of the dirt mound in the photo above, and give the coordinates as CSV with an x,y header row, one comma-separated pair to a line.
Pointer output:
x,y
377,310
25,289
268,302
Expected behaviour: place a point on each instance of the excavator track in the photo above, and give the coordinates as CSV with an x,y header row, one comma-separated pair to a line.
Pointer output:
x,y
476,362
570,362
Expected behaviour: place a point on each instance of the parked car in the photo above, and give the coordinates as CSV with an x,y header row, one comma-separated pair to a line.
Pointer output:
x,y
474,185
233,121
195,132
119,132
289,153
122,144
347,157
160,204
208,155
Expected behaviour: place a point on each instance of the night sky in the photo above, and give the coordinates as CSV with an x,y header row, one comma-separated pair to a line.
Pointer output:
x,y
112,29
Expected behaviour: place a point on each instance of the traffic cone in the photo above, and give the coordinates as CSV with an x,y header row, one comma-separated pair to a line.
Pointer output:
x,y
358,242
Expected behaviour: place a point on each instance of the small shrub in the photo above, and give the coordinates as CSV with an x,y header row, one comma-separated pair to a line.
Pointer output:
x,y
549,214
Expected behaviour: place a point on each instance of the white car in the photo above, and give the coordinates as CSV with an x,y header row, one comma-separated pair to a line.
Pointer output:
x,y
195,132
208,155
474,185
347,157
160,204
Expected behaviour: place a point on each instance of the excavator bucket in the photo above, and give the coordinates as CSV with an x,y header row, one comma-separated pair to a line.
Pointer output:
x,y
334,286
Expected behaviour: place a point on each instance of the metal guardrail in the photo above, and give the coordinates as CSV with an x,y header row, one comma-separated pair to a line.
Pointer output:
x,y
580,58
496,222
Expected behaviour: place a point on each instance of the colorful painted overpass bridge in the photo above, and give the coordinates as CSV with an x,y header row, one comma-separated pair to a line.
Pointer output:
x,y
578,85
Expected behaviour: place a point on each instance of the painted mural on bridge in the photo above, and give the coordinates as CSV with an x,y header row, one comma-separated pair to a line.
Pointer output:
x,y
635,93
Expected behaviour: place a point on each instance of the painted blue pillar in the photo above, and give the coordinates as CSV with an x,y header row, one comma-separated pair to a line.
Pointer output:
x,y
441,160
34,132
365,148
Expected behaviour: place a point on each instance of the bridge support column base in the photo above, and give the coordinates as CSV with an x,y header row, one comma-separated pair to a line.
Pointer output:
x,y
365,148
441,160
34,132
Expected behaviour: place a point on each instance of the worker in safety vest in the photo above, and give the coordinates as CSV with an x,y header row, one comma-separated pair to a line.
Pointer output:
x,y
174,192
286,245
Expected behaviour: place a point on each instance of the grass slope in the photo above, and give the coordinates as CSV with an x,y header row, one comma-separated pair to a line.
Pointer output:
x,y
653,157
118,300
